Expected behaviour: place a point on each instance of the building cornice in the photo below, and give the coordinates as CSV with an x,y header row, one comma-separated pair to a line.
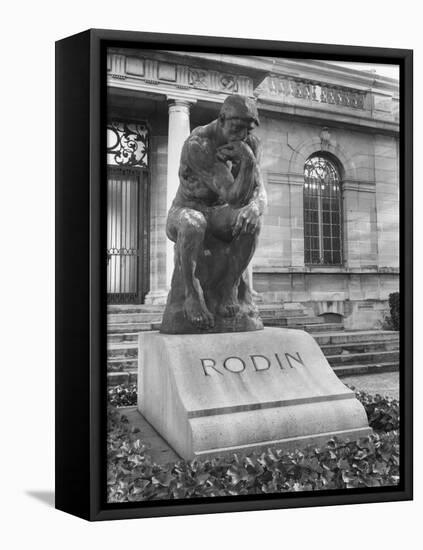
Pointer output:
x,y
310,69
335,74
189,78
166,73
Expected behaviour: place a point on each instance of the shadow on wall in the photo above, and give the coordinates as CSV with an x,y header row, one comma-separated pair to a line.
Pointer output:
x,y
330,317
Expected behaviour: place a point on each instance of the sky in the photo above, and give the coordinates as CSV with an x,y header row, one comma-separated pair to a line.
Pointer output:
x,y
391,71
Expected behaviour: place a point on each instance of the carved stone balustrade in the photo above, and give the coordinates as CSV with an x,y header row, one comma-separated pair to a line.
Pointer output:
x,y
293,89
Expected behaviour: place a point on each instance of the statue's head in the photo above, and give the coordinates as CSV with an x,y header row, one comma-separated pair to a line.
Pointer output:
x,y
238,117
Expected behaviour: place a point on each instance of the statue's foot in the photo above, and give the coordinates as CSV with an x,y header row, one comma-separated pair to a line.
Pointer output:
x,y
228,308
249,306
252,310
197,314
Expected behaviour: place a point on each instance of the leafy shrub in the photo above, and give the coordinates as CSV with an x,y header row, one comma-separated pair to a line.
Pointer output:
x,y
387,323
132,476
382,412
123,395
394,306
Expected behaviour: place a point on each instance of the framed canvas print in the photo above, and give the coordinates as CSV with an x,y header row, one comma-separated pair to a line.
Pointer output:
x,y
234,274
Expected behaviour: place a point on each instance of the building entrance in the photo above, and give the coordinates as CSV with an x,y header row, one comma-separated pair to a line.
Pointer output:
x,y
128,209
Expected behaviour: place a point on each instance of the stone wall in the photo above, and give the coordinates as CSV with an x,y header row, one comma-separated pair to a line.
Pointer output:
x,y
370,184
361,299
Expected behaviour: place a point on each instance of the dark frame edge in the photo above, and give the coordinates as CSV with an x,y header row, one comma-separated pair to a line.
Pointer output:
x,y
72,399
297,49
406,260
98,307
257,505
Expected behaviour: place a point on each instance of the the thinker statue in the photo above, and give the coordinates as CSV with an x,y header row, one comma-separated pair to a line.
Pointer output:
x,y
215,221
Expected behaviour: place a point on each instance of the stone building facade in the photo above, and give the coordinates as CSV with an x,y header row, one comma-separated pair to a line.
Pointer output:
x,y
330,240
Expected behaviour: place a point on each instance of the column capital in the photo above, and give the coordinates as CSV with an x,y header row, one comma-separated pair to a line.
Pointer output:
x,y
175,101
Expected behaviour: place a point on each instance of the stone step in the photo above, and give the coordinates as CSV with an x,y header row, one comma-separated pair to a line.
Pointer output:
x,y
363,358
122,338
116,328
279,305
283,318
125,377
282,313
324,327
122,363
119,318
297,321
128,350
337,337
360,347
134,308
138,315
308,323
122,345
372,368
143,308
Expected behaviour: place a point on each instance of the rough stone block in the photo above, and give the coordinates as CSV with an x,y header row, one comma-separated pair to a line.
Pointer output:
x,y
211,394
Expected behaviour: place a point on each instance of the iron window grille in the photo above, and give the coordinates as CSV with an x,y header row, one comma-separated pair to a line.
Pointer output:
x,y
127,212
322,212
127,144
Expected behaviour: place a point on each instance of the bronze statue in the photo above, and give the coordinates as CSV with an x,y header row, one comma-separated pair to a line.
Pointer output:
x,y
215,221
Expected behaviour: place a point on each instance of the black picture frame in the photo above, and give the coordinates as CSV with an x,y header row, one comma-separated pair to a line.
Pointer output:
x,y
80,273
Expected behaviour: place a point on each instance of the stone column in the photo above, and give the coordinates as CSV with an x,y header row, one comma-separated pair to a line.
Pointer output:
x,y
179,130
158,171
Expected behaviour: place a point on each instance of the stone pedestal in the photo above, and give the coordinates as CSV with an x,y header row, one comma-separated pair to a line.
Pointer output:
x,y
216,393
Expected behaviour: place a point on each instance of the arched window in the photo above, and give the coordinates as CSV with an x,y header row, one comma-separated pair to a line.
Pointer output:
x,y
322,212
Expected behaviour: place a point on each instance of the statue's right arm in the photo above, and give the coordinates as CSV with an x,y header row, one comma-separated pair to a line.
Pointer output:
x,y
199,155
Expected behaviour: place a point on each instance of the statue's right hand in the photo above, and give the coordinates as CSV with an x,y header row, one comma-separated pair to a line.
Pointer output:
x,y
247,220
235,151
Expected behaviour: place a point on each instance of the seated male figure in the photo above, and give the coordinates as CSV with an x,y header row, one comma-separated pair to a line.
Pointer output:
x,y
221,196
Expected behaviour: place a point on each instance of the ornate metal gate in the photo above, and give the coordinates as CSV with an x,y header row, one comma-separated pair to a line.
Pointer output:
x,y
128,212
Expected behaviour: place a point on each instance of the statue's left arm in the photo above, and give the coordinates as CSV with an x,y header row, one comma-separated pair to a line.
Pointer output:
x,y
250,215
